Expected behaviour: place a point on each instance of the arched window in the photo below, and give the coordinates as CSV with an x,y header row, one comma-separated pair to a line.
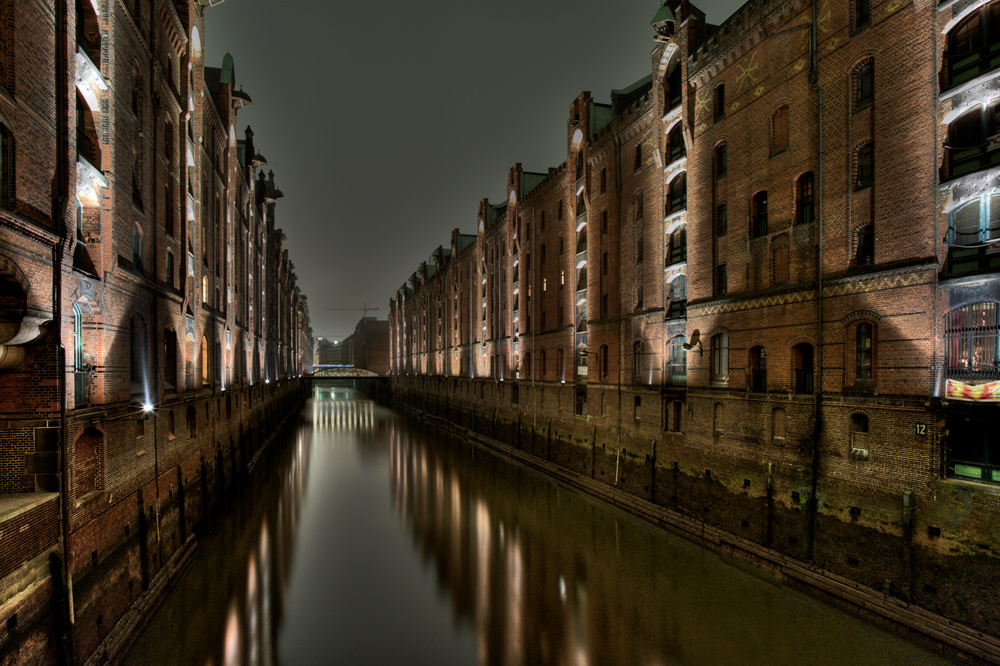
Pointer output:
x,y
720,358
604,362
758,215
542,369
802,360
969,148
192,422
675,144
638,205
204,361
204,289
758,369
864,84
560,365
805,207
779,130
581,362
970,46
677,194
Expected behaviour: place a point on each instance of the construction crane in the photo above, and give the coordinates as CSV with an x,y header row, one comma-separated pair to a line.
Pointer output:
x,y
364,309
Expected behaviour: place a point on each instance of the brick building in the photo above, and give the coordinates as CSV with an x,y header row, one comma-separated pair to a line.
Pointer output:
x,y
151,322
761,291
368,347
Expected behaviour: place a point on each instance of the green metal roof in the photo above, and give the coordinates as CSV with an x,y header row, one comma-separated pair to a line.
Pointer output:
x,y
530,180
600,117
644,81
662,15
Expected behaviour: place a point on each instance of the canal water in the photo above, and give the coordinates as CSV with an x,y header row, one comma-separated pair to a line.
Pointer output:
x,y
371,539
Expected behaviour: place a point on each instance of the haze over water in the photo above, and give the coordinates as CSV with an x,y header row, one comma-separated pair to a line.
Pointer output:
x,y
372,540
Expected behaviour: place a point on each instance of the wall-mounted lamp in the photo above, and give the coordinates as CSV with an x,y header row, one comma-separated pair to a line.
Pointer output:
x,y
694,342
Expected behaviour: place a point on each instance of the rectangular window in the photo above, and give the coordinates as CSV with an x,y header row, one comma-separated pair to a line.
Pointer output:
x,y
638,156
604,221
864,79
721,220
638,205
638,251
721,161
864,351
720,357
863,13
721,281
865,167
604,306
604,180
604,264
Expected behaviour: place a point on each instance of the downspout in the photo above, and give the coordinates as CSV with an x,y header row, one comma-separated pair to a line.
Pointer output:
x,y
818,396
618,249
59,205
531,305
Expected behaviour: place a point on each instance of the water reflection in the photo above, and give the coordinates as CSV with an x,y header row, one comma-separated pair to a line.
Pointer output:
x,y
414,548
229,605
548,576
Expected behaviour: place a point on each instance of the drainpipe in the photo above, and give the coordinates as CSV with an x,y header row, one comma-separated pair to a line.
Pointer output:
x,y
618,249
59,206
818,397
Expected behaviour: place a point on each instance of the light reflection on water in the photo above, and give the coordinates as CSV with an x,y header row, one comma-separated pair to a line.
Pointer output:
x,y
373,541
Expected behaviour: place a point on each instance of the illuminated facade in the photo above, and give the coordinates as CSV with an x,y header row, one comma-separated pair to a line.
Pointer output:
x,y
761,290
151,324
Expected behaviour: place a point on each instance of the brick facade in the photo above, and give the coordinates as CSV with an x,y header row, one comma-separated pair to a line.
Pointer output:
x,y
774,252
151,329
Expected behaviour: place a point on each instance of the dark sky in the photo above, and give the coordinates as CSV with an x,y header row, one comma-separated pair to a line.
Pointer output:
x,y
386,122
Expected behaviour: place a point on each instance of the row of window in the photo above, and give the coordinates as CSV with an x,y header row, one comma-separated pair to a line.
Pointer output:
x,y
802,362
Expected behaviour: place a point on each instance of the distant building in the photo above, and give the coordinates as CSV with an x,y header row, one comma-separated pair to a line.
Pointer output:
x,y
329,352
368,347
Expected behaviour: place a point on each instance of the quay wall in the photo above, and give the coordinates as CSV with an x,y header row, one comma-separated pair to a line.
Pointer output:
x,y
909,558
